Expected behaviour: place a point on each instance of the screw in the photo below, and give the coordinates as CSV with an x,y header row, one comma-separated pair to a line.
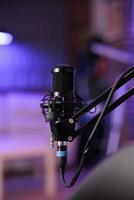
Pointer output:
x,y
70,138
71,121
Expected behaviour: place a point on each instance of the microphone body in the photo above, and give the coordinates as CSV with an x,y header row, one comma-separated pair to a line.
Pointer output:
x,y
62,87
60,105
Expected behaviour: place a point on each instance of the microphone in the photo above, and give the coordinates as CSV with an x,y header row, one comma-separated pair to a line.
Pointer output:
x,y
59,105
62,86
62,109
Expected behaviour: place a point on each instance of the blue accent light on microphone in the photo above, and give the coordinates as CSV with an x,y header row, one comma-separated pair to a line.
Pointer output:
x,y
5,38
61,153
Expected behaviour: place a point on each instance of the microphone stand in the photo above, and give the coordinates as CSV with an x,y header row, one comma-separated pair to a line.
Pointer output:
x,y
67,126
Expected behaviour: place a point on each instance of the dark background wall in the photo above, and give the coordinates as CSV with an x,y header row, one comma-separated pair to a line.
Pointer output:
x,y
39,42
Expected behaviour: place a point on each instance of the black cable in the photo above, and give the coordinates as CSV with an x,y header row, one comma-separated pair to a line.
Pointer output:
x,y
86,149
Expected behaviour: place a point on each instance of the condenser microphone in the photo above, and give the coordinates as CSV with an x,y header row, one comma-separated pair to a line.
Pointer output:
x,y
60,105
62,89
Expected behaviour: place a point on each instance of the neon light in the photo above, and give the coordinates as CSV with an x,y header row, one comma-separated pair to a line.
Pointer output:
x,y
5,38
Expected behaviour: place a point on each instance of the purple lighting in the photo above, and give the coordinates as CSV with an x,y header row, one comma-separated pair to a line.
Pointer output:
x,y
5,38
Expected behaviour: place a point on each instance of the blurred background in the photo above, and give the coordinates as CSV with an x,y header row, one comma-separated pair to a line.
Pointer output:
x,y
46,33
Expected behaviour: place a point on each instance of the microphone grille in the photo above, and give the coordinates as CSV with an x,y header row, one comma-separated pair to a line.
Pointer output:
x,y
62,79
